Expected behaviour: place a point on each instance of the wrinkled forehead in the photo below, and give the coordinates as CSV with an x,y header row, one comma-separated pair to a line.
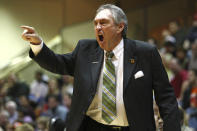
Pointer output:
x,y
103,14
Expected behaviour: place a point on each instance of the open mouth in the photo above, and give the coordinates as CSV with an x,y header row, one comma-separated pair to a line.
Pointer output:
x,y
100,37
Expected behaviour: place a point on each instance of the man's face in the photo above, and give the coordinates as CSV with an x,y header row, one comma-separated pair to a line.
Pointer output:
x,y
194,49
191,76
52,102
173,27
108,33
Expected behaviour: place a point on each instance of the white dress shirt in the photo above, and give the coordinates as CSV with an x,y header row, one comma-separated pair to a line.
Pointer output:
x,y
38,89
95,108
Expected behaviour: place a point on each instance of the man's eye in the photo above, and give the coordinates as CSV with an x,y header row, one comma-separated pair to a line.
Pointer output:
x,y
103,23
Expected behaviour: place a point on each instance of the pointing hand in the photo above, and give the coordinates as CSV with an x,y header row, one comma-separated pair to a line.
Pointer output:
x,y
29,34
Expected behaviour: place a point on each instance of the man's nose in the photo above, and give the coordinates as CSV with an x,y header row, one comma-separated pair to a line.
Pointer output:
x,y
98,27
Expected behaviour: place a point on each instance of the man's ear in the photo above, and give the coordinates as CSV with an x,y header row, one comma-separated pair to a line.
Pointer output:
x,y
120,27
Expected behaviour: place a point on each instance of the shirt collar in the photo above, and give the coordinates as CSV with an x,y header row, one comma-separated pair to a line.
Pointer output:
x,y
118,49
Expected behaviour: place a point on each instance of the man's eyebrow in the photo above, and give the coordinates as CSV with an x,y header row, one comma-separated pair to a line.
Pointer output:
x,y
102,20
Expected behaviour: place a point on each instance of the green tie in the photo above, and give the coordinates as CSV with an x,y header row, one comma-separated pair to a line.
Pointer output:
x,y
109,90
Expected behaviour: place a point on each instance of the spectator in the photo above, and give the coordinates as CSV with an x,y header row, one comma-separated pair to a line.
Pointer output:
x,y
165,33
9,127
187,87
192,35
153,41
183,60
180,75
13,114
4,116
158,120
177,32
193,60
53,87
159,123
25,108
39,89
68,85
170,45
55,109
192,110
42,123
16,88
67,98
24,127
184,126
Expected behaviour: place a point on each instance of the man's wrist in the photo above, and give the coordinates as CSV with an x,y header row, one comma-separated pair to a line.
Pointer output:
x,y
36,48
35,43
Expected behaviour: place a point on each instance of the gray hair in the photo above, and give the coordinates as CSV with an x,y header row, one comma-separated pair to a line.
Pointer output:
x,y
118,15
11,104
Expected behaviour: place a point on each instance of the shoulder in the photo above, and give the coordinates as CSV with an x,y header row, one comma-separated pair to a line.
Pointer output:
x,y
87,44
140,46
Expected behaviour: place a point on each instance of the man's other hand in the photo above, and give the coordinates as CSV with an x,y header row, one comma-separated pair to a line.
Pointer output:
x,y
29,34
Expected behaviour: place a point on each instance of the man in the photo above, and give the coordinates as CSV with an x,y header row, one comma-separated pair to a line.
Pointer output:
x,y
38,89
55,108
111,62
16,88
193,59
177,32
11,107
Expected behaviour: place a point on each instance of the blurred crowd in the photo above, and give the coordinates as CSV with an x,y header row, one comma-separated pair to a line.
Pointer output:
x,y
29,107
178,50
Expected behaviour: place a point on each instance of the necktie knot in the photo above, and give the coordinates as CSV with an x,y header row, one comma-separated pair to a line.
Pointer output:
x,y
109,55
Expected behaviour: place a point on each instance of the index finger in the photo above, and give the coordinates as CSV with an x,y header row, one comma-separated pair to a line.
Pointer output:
x,y
29,28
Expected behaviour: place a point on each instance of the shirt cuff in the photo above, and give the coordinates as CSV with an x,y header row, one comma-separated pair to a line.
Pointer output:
x,y
36,48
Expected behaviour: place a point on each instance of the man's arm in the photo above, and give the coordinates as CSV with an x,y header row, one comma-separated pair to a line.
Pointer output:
x,y
164,95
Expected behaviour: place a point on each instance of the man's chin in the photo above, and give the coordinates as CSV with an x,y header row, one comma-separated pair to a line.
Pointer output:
x,y
101,44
